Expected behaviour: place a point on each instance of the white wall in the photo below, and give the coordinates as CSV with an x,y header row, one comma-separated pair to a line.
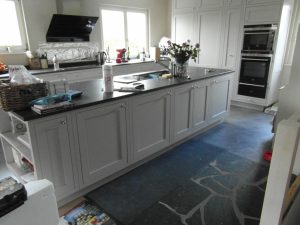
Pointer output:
x,y
158,13
289,97
37,15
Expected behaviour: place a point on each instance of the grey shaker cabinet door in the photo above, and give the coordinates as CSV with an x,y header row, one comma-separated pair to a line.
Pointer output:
x,y
182,111
102,141
150,120
55,154
199,105
219,97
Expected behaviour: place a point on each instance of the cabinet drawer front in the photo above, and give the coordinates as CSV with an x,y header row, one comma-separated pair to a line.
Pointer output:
x,y
252,91
150,124
55,154
102,140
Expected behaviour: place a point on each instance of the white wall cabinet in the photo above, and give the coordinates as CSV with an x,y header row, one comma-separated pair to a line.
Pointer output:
x,y
102,140
263,14
209,4
218,101
232,35
209,25
55,153
186,5
150,119
233,3
183,27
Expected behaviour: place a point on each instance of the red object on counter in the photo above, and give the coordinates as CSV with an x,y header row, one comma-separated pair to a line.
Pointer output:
x,y
268,155
121,56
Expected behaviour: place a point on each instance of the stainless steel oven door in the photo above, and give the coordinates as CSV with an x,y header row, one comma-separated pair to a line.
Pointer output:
x,y
255,69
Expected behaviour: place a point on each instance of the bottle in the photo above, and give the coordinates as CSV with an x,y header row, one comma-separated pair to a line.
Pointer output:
x,y
108,78
44,61
55,63
143,55
128,54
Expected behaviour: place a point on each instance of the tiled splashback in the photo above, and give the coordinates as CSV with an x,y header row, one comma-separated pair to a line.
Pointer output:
x,y
69,52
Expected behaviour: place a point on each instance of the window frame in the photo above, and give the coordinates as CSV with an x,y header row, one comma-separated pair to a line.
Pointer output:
x,y
125,10
20,18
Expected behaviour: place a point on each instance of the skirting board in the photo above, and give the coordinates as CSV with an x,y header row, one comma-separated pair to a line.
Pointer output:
x,y
248,105
129,168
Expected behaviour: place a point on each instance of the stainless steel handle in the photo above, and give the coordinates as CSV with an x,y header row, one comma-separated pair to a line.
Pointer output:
x,y
63,122
246,33
254,85
263,60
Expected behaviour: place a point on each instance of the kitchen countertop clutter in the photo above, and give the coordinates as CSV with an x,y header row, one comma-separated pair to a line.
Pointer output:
x,y
93,90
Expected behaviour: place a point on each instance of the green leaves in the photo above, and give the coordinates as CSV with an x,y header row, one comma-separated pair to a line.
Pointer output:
x,y
183,52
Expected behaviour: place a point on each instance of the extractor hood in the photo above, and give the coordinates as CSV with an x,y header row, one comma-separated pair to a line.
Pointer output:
x,y
70,28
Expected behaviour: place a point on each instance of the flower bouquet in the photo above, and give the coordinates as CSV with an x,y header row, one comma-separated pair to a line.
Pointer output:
x,y
181,54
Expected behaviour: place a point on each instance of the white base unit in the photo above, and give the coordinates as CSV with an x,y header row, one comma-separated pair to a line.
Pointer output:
x,y
102,140
150,123
78,148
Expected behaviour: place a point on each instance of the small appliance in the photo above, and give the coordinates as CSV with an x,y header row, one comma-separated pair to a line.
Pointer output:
x,y
101,57
121,56
259,38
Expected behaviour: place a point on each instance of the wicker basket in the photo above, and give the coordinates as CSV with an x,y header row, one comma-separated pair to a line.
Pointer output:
x,y
17,97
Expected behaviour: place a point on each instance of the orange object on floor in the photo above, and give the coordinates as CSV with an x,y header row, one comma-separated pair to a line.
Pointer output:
x,y
268,155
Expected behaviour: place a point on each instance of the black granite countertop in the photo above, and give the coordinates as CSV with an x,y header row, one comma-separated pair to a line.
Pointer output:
x,y
93,93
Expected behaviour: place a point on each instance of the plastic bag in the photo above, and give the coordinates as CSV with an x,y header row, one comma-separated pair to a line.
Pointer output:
x,y
19,75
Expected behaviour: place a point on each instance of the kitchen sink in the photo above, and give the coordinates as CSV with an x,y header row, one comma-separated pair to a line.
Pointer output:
x,y
130,78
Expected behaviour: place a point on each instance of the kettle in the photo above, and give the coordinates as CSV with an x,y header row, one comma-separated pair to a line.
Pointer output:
x,y
101,57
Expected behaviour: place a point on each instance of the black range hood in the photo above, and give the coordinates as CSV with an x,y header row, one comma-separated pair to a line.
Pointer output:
x,y
69,28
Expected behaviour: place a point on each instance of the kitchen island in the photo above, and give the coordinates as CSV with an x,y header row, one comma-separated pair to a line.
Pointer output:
x,y
105,135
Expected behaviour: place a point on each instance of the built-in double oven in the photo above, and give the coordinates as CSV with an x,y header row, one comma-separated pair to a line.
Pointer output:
x,y
257,54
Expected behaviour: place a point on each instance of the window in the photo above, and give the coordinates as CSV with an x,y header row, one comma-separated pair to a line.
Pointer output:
x,y
123,28
12,32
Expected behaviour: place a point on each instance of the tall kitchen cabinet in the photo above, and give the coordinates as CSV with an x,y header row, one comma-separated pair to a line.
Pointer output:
x,y
102,139
215,25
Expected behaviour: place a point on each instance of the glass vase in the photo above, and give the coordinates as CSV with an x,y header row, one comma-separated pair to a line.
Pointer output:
x,y
181,69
